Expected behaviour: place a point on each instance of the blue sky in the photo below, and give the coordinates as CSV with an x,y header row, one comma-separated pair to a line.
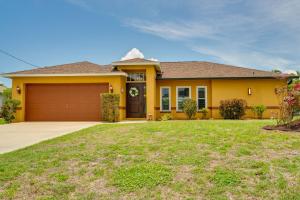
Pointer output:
x,y
263,34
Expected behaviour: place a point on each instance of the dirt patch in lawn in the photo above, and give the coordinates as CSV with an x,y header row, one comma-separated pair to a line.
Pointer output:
x,y
292,127
184,174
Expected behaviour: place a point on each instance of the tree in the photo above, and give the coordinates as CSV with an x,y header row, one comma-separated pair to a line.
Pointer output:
x,y
7,94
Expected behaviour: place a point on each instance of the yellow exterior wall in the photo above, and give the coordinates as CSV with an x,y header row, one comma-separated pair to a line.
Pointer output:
x,y
173,84
263,92
151,93
117,82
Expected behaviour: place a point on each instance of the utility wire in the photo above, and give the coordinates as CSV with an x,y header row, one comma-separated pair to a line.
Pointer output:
x,y
19,59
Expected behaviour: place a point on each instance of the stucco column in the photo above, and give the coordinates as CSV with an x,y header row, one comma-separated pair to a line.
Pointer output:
x,y
150,92
20,114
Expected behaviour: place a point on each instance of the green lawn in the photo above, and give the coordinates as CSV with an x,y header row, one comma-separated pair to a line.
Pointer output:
x,y
2,121
158,160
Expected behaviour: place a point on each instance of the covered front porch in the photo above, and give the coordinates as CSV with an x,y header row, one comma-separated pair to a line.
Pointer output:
x,y
139,88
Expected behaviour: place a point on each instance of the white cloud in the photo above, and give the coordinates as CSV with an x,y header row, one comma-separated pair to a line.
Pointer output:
x,y
262,34
290,71
244,58
258,33
133,53
153,59
172,30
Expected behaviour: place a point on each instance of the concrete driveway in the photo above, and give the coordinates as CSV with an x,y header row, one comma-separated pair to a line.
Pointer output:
x,y
19,135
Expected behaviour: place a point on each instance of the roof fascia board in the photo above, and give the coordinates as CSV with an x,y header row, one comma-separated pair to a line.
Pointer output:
x,y
263,77
156,64
56,75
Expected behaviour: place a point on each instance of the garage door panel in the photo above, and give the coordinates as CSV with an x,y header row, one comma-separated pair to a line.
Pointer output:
x,y
64,102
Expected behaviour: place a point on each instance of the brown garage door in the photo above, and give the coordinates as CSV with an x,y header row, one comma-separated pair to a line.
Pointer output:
x,y
63,102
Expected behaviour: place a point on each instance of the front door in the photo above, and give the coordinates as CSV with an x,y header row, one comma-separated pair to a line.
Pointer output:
x,y
135,100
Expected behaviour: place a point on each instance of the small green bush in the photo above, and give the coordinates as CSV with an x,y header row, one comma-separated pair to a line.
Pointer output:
x,y
232,108
189,108
204,112
259,110
166,117
9,109
110,107
7,94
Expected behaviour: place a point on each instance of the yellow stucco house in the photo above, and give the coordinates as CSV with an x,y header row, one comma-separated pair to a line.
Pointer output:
x,y
148,89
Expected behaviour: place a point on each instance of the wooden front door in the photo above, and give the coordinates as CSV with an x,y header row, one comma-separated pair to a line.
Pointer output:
x,y
135,100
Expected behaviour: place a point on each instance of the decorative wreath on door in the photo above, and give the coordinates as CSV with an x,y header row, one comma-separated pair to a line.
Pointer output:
x,y
133,92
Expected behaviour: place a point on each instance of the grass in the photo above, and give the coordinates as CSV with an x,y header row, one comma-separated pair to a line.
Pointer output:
x,y
2,121
158,160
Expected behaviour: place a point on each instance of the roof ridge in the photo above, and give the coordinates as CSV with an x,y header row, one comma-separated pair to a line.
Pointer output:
x,y
72,63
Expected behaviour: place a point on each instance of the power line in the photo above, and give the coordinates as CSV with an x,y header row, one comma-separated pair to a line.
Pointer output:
x,y
19,59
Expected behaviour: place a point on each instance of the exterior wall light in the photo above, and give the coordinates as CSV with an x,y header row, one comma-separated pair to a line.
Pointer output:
x,y
18,89
249,91
122,90
111,89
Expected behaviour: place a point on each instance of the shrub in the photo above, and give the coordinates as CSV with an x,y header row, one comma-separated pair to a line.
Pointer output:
x,y
110,107
232,108
204,112
166,117
289,103
9,109
7,94
259,110
189,108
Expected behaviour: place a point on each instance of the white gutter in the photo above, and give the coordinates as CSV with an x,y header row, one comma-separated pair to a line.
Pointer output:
x,y
61,75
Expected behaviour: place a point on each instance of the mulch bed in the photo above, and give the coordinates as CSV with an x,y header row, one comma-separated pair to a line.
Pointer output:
x,y
293,127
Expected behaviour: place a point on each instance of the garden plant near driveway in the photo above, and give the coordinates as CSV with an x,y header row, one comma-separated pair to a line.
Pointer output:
x,y
2,121
216,159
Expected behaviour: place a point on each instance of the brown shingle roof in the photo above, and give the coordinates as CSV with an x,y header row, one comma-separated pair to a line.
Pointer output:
x,y
169,70
72,68
195,69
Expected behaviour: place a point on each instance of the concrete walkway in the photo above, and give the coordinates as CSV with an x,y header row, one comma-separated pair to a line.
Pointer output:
x,y
19,135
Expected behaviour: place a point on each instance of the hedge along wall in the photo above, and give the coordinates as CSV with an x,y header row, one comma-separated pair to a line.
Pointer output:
x,y
110,107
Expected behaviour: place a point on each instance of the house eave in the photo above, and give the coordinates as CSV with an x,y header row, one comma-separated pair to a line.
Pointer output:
x,y
193,78
64,75
156,64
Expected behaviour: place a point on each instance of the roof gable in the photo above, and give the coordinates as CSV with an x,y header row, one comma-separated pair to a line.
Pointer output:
x,y
138,61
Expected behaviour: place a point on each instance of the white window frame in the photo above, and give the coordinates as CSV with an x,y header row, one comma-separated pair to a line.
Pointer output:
x,y
136,73
205,89
190,93
169,88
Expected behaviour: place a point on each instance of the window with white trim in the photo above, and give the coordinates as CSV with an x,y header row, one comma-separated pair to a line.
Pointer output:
x,y
165,99
182,93
201,97
136,77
